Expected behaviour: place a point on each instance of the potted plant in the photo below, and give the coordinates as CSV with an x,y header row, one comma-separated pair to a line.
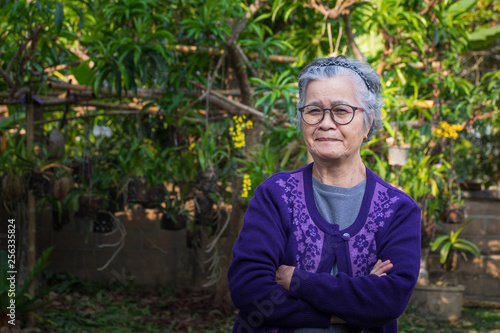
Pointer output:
x,y
399,131
175,216
398,153
133,162
443,301
451,245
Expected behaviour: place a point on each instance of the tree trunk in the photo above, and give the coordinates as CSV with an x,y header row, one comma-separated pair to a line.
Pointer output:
x,y
225,246
423,276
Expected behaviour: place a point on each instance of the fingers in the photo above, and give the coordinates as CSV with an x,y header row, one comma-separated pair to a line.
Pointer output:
x,y
284,276
381,267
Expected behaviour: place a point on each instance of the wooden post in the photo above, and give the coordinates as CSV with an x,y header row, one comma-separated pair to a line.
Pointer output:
x,y
30,140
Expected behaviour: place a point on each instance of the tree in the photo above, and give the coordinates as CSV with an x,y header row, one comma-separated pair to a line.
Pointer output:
x,y
177,70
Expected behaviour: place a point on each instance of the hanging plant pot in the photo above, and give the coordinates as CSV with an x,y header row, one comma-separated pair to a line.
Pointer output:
x,y
137,189
454,213
104,222
398,155
56,144
154,196
115,200
204,213
173,224
12,187
90,205
439,303
62,187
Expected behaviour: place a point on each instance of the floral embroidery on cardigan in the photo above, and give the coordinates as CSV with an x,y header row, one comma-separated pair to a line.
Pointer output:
x,y
308,236
363,247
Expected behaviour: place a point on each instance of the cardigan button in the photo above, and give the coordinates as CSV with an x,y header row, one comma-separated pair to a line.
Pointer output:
x,y
346,236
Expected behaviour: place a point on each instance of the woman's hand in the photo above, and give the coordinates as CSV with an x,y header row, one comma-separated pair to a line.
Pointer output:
x,y
381,267
284,272
284,276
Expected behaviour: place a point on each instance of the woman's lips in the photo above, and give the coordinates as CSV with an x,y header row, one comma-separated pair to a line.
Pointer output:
x,y
327,139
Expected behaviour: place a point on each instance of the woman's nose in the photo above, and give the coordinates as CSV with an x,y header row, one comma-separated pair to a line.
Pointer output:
x,y
328,121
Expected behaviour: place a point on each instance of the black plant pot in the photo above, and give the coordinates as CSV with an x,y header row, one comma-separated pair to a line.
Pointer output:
x,y
137,189
104,222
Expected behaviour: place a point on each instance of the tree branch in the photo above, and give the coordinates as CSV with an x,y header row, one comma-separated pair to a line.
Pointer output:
x,y
7,78
247,62
331,13
430,4
350,37
254,7
231,102
240,70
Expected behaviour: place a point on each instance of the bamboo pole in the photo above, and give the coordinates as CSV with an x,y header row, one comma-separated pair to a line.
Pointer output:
x,y
253,55
115,113
30,132
141,93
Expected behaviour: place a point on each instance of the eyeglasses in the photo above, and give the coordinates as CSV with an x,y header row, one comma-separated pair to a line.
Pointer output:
x,y
342,114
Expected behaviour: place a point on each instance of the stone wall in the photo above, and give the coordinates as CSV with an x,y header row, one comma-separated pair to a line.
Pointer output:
x,y
150,256
155,257
481,276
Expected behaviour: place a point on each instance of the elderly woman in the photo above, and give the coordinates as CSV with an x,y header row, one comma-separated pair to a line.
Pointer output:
x,y
330,247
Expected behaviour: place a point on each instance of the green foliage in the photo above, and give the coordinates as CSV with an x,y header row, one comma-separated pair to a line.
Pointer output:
x,y
278,93
437,64
24,302
452,242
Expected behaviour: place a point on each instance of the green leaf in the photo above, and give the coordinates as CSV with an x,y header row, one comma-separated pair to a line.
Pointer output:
x,y
83,74
4,283
467,245
461,7
59,16
463,226
40,265
12,121
444,253
438,241
483,37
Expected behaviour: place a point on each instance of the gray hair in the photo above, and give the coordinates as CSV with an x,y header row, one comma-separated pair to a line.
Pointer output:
x,y
365,80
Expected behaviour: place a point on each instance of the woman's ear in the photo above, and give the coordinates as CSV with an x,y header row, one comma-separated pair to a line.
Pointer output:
x,y
369,127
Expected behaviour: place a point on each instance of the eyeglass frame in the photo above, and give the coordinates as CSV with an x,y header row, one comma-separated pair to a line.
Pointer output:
x,y
354,109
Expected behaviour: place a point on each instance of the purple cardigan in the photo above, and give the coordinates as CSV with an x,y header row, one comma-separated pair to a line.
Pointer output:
x,y
282,226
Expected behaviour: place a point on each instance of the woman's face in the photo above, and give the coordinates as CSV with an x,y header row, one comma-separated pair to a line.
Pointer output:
x,y
328,141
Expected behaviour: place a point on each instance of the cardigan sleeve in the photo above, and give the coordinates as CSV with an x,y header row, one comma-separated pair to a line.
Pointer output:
x,y
257,254
370,301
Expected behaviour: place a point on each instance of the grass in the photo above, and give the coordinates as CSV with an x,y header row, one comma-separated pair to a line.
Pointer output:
x,y
472,320
92,308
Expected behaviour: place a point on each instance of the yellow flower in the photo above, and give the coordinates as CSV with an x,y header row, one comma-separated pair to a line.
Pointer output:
x,y
191,146
237,132
448,131
247,185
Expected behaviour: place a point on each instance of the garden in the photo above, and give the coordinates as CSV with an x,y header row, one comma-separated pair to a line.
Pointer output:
x,y
183,108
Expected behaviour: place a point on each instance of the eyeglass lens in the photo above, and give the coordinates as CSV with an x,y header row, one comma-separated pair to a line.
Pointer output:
x,y
342,114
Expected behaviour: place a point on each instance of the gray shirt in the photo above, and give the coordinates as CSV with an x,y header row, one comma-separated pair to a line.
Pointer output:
x,y
337,205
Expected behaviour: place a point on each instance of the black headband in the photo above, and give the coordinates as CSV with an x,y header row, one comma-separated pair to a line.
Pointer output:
x,y
333,62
